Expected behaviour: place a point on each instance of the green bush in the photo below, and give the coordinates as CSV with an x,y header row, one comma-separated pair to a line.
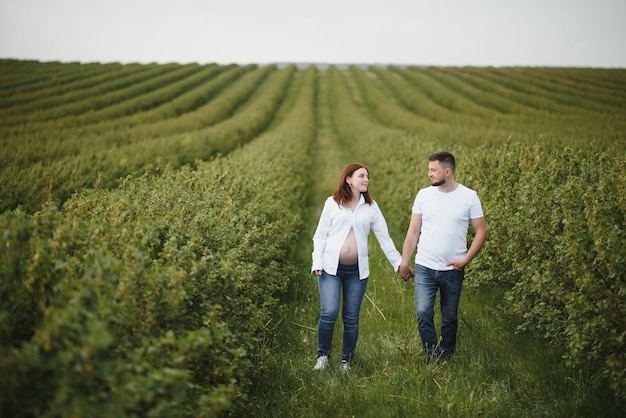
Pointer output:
x,y
557,223
152,299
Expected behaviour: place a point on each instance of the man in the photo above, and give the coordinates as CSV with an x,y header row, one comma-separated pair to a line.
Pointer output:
x,y
440,219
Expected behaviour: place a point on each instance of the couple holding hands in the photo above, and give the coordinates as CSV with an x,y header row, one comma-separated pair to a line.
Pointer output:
x,y
438,230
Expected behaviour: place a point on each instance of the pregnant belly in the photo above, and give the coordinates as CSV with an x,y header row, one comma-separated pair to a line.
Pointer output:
x,y
349,254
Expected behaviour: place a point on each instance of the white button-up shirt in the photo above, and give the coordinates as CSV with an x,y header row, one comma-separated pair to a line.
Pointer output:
x,y
333,228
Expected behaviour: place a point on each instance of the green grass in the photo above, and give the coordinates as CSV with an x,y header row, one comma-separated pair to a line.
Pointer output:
x,y
495,371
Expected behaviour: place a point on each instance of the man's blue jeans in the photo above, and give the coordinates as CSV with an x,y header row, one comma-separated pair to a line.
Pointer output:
x,y
330,288
427,283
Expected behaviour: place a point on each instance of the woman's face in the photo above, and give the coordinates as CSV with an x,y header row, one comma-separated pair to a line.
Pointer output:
x,y
359,180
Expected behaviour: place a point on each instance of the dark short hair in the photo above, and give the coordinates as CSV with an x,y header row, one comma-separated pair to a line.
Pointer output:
x,y
444,158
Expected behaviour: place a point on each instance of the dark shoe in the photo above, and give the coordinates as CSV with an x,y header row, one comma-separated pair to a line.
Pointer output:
x,y
444,355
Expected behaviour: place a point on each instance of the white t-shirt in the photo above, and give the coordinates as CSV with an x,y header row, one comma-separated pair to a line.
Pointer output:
x,y
445,221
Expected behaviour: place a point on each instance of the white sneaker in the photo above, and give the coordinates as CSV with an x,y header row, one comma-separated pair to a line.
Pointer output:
x,y
345,366
322,362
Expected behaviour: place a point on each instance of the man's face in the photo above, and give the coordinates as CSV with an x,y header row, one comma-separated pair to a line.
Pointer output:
x,y
436,174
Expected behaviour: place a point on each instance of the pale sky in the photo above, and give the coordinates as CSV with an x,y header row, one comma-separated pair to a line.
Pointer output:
x,y
563,33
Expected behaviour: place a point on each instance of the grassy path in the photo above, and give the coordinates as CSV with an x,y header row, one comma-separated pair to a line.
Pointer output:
x,y
495,372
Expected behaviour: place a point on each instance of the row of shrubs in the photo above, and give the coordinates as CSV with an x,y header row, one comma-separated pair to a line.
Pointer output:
x,y
557,231
556,219
153,299
29,186
555,215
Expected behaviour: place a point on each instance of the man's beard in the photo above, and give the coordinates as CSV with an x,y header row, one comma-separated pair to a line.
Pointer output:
x,y
438,183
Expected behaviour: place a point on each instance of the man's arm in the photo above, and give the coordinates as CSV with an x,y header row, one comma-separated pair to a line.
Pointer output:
x,y
480,226
410,242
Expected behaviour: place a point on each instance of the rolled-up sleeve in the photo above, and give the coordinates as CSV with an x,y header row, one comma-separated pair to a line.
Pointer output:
x,y
320,237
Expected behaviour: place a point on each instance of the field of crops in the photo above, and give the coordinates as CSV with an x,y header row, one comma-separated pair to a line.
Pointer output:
x,y
152,215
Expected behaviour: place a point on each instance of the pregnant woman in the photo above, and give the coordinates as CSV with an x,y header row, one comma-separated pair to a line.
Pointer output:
x,y
340,259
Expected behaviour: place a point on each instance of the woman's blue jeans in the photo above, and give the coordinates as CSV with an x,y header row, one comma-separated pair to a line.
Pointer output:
x,y
449,284
330,288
